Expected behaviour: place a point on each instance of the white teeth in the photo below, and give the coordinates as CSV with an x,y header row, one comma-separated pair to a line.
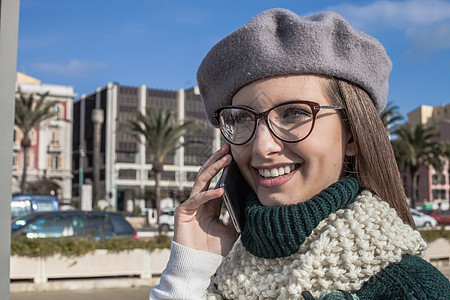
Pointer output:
x,y
275,172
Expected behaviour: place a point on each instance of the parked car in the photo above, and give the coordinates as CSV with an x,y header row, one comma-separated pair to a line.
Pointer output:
x,y
442,216
75,223
167,220
23,204
423,220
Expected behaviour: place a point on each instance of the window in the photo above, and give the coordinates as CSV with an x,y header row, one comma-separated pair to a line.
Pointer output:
x,y
168,175
33,136
438,179
56,110
55,137
127,174
16,160
128,157
438,194
434,179
120,225
54,161
50,227
20,207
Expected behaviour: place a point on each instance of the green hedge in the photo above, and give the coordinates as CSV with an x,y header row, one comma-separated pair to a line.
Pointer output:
x,y
79,246
433,234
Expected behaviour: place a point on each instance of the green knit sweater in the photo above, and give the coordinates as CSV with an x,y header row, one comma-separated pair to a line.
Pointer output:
x,y
276,233
411,278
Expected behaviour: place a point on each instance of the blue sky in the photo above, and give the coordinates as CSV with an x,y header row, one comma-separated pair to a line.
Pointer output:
x,y
87,43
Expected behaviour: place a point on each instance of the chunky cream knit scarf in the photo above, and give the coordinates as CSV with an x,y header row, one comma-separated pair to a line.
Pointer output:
x,y
342,253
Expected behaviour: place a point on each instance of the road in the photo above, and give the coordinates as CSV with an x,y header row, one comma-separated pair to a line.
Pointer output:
x,y
94,294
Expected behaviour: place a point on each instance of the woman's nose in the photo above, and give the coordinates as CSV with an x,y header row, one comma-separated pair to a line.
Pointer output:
x,y
264,142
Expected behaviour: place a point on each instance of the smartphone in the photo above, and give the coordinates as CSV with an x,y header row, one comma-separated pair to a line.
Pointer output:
x,y
236,191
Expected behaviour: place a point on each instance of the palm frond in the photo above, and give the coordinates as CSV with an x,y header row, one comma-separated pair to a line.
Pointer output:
x,y
390,116
160,130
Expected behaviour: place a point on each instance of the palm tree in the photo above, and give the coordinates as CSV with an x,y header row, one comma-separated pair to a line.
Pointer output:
x,y
162,135
389,116
29,114
414,148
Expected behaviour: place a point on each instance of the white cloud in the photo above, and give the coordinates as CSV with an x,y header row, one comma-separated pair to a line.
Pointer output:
x,y
426,41
74,67
425,24
400,15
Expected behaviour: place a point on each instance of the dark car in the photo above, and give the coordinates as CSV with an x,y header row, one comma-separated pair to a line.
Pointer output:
x,y
74,223
442,216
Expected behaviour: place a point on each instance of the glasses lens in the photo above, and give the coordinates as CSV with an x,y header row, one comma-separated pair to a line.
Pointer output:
x,y
291,122
237,124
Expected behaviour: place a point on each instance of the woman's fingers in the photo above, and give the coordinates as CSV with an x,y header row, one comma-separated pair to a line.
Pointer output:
x,y
213,158
206,175
197,200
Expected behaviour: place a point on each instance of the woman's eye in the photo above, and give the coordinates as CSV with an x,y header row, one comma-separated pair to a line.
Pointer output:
x,y
243,117
291,113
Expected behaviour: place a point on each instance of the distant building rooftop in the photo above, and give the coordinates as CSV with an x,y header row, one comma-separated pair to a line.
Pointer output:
x,y
22,78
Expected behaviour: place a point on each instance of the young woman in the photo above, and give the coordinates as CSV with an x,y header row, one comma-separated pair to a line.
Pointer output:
x,y
297,99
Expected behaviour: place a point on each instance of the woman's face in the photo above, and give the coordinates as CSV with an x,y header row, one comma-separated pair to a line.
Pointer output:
x,y
311,165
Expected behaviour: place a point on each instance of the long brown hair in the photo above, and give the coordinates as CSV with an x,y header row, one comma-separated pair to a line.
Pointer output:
x,y
374,165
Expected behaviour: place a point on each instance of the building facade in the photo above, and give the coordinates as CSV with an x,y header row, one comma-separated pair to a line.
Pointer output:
x,y
50,155
433,188
125,164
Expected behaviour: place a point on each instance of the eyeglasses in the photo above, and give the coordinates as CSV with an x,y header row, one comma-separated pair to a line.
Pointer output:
x,y
290,122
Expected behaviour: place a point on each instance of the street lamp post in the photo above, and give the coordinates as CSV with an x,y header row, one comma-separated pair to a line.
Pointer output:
x,y
80,171
97,119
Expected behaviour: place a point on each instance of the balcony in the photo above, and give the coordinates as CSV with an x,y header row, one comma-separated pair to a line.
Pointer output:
x,y
54,147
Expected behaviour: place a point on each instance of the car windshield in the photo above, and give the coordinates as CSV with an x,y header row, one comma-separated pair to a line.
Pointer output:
x,y
121,226
20,207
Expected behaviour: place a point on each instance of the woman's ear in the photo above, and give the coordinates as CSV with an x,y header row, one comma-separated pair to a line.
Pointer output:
x,y
350,148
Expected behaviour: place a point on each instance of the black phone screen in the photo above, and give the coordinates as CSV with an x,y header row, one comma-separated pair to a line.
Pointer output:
x,y
236,191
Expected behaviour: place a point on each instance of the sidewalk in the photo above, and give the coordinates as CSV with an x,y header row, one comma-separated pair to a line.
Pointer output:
x,y
129,292
82,284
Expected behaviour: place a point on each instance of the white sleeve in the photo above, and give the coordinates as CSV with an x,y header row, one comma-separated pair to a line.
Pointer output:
x,y
187,275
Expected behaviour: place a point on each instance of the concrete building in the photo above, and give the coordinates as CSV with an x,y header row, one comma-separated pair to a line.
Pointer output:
x,y
50,156
433,187
126,165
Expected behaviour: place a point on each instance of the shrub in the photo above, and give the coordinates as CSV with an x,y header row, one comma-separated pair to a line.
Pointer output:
x,y
80,246
434,234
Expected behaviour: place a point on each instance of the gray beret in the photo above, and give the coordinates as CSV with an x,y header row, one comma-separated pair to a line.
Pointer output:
x,y
279,42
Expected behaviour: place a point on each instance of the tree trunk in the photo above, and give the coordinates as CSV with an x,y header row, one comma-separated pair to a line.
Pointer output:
x,y
24,169
414,189
158,196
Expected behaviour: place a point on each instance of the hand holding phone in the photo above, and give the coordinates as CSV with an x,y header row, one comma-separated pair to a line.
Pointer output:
x,y
196,219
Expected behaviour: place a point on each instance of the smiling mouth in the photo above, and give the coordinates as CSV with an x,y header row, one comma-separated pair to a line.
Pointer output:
x,y
276,172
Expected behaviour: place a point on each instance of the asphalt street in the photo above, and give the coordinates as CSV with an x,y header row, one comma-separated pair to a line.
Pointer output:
x,y
94,294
